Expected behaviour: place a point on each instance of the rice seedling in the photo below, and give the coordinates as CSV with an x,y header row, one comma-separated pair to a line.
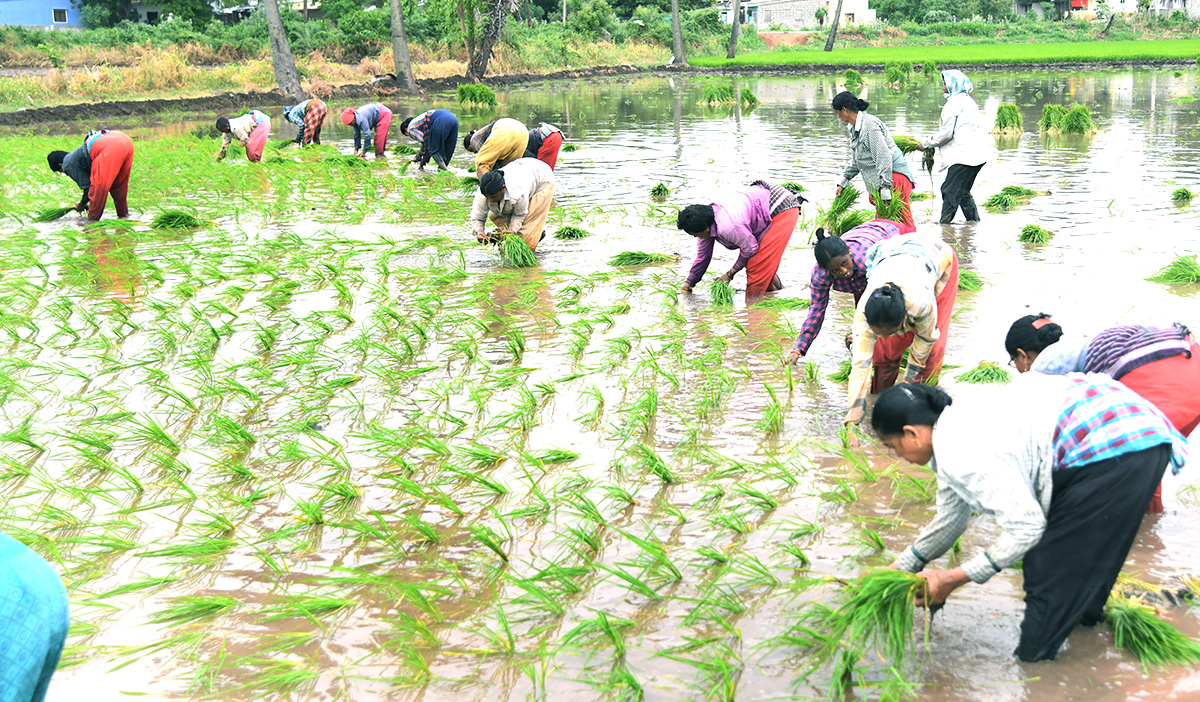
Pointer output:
x,y
929,71
476,94
853,80
842,374
175,219
639,258
721,293
1008,121
715,93
191,608
970,280
570,232
1139,630
649,461
1002,202
985,372
782,303
771,422
1052,117
1184,270
748,98
1033,234
907,144
403,150
891,210
659,191
1078,120
1182,196
551,456
51,214
569,147
515,253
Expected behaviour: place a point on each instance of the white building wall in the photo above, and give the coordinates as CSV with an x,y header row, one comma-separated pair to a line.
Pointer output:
x,y
800,14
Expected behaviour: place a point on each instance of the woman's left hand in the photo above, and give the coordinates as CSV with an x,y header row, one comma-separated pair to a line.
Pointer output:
x,y
726,277
939,584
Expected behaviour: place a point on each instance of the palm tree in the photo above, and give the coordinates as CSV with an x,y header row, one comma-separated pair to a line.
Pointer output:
x,y
837,15
679,58
404,70
281,55
737,23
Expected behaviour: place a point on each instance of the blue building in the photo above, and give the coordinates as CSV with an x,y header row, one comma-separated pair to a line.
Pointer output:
x,y
39,13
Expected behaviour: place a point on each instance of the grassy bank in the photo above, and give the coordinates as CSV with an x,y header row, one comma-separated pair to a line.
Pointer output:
x,y
1059,52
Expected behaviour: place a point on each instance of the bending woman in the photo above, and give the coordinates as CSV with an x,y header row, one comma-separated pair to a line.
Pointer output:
x,y
497,144
873,152
1065,465
1160,364
911,287
758,221
437,133
372,117
516,198
100,167
961,139
309,117
842,266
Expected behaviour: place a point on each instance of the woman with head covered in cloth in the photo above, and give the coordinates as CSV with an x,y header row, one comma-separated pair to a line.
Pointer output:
x,y
516,198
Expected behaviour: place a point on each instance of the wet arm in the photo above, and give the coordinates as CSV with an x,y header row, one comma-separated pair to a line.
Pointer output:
x,y
953,515
819,301
479,215
704,250
925,332
861,354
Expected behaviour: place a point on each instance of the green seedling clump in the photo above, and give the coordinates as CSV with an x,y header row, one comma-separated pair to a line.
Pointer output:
x,y
842,374
853,80
1052,117
403,150
476,94
515,252
839,218
718,94
891,210
52,213
639,258
970,280
748,98
660,191
1139,630
570,232
1008,121
569,147
468,184
1033,234
175,219
1001,202
1018,192
930,71
1182,271
896,74
347,160
907,144
1078,120
793,186
783,303
722,293
1181,196
985,372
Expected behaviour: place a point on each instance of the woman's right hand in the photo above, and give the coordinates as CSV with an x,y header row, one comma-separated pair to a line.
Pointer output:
x,y
794,356
839,190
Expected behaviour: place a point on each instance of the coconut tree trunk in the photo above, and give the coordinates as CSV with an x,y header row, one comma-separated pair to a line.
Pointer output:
x,y
497,15
281,54
833,25
404,72
680,58
737,24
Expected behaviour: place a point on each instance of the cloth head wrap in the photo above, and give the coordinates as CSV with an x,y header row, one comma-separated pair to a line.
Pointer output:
x,y
491,182
956,82
347,116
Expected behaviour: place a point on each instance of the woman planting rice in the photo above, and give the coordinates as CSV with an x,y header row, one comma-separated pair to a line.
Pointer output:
x,y
1064,464
515,198
499,143
34,618
251,130
961,139
1160,364
911,287
874,153
842,266
309,117
544,143
99,167
437,133
370,118
757,220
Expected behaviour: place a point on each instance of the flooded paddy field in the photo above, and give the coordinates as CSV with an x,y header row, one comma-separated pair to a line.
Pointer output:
x,y
328,448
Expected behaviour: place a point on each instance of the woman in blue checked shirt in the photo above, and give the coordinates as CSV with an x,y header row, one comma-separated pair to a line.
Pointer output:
x,y
1065,464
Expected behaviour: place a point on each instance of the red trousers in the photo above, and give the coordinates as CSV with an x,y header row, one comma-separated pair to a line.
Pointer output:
x,y
548,153
889,350
902,188
1170,385
314,118
761,269
112,159
381,130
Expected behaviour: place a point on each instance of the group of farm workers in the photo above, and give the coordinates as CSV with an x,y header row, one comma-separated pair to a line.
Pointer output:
x,y
1067,458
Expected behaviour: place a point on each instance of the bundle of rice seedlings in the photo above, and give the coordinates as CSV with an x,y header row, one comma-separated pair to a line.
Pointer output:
x,y
569,147
970,280
52,213
853,80
985,372
850,221
1181,196
1078,120
515,252
1008,121
570,232
1033,234
1019,192
1182,271
842,374
175,219
838,217
891,210
930,71
403,150
476,94
349,160
793,186
276,159
468,184
1001,202
1052,117
907,144
748,98
718,94
783,303
279,144
894,76
639,258
660,191
1139,630
722,293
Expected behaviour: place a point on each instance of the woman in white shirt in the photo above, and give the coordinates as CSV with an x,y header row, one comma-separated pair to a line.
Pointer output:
x,y
961,140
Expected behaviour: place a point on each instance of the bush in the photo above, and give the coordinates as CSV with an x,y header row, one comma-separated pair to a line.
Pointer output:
x,y
366,32
935,16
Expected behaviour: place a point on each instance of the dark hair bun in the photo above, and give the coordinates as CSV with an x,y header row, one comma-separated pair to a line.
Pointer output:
x,y
937,398
820,233
863,105
1050,333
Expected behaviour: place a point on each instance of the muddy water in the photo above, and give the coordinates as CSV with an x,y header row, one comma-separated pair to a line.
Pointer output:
x,y
1114,223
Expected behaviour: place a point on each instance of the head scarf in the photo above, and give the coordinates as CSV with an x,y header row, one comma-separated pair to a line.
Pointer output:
x,y
491,182
347,116
956,82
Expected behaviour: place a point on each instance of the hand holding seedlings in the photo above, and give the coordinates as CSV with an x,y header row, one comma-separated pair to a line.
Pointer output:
x,y
685,288
938,586
795,356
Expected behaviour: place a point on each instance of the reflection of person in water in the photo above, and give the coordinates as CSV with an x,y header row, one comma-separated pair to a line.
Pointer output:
x,y
116,266
1065,464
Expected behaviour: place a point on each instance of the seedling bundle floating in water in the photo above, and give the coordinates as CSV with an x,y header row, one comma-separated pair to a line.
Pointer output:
x,y
52,213
1184,270
175,219
639,258
1011,197
970,280
985,372
793,186
1182,196
659,191
570,232
1009,121
1139,630
569,147
1057,119
783,303
842,374
853,80
1033,234
476,94
403,150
